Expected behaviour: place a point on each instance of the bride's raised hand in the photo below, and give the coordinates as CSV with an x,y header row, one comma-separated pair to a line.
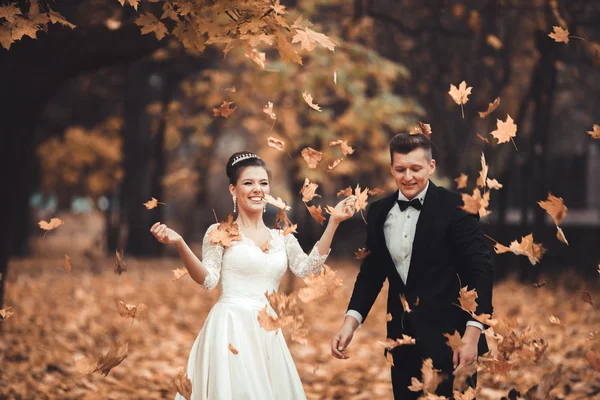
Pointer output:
x,y
164,234
344,210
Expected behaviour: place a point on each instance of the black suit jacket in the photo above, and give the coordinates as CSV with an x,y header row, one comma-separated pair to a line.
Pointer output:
x,y
448,244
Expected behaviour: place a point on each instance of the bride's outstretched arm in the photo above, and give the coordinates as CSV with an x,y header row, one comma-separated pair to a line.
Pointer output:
x,y
206,274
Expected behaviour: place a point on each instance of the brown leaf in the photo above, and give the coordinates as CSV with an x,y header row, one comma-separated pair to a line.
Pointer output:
x,y
559,34
120,264
283,223
150,24
415,385
265,247
325,283
6,313
595,132
431,378
454,341
346,149
316,213
405,305
476,204
308,39
179,273
468,299
527,247
483,173
373,192
183,384
593,359
268,109
461,181
469,394
392,344
224,110
424,129
539,284
311,156
269,322
505,130
493,184
232,90
362,253
336,162
555,207
345,192
309,100
585,296
554,320
483,139
490,109
67,264
277,202
114,357
226,233
153,203
309,191
258,58
232,349
53,224
461,94
560,235
131,311
361,198
275,143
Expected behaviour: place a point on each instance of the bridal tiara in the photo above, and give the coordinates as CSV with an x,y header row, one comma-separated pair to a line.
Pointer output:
x,y
243,157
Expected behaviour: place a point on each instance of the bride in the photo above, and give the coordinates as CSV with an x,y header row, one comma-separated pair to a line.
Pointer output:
x,y
263,368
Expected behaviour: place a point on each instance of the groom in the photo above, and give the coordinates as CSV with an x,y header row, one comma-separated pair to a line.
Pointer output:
x,y
427,248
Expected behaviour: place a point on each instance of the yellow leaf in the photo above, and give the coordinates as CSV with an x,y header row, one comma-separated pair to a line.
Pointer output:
x,y
475,203
6,313
286,51
152,203
493,184
559,34
468,299
257,58
335,163
325,283
9,12
309,100
422,128
527,247
316,213
226,233
57,18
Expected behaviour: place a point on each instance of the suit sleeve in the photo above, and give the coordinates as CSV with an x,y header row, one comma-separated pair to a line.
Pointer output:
x,y
474,264
371,275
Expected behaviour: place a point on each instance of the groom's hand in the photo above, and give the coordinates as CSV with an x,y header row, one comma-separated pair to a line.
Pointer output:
x,y
342,339
468,352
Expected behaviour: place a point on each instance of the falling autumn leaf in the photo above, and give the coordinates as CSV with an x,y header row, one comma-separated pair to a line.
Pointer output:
x,y
153,203
468,299
309,190
493,184
277,202
308,39
392,344
483,173
311,156
226,233
345,192
469,394
559,34
362,253
475,203
460,95
430,376
595,132
554,320
258,58
585,296
6,313
405,305
424,129
373,192
490,109
269,322
390,357
67,264
179,273
224,110
347,150
275,143
505,130
454,341
325,283
120,264
560,235
527,247
53,224
316,213
265,247
230,89
113,358
182,383
309,100
539,284
335,164
361,198
268,109
232,349
555,207
461,181
132,311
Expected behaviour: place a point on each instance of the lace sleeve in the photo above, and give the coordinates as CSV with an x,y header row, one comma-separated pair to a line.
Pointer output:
x,y
301,264
212,255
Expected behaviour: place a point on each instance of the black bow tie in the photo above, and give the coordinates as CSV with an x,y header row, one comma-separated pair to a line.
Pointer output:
x,y
405,204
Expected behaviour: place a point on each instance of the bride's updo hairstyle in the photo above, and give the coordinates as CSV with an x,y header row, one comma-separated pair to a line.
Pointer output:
x,y
240,160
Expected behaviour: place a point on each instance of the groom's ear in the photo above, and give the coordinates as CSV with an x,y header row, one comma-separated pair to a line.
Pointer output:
x,y
431,166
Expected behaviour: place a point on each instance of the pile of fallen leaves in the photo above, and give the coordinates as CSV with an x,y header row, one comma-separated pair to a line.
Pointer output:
x,y
136,329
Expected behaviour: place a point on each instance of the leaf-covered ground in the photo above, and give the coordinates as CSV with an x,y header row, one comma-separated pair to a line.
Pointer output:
x,y
61,318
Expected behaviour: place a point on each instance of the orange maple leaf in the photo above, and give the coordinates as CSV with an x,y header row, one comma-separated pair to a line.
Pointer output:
x,y
595,132
493,184
308,39
346,149
559,34
454,341
560,235
316,213
283,223
422,128
276,143
362,253
345,192
325,283
476,204
132,3
309,100
151,24
490,109
391,343
461,181
361,198
277,202
309,190
224,110
533,251
179,273
460,95
505,130
468,299
153,203
53,224
226,233
555,207
268,109
311,156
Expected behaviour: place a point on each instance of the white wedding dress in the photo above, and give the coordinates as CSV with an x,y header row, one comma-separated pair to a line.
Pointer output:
x,y
263,369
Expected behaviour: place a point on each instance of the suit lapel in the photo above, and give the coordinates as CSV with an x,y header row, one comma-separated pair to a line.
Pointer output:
x,y
421,241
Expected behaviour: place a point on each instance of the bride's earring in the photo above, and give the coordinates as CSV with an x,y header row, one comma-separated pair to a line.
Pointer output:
x,y
265,209
234,204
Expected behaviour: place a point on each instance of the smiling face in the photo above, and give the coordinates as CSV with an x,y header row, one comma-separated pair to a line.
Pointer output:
x,y
411,171
250,188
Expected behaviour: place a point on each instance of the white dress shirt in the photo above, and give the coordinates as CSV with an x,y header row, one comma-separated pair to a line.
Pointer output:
x,y
403,225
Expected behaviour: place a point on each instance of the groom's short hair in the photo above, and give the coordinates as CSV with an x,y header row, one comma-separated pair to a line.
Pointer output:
x,y
404,143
